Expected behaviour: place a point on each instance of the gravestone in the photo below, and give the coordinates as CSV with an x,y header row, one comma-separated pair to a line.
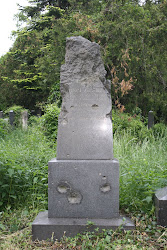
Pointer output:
x,y
11,117
24,118
161,206
150,119
1,114
33,112
83,181
39,112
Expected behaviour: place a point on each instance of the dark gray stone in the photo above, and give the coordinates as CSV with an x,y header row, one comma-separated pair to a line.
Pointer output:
x,y
1,114
83,189
39,112
44,228
161,206
11,117
150,119
33,112
85,127
83,182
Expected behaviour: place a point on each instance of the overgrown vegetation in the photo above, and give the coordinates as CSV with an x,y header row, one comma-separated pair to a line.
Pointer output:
x,y
4,128
133,45
24,156
17,114
133,42
16,234
143,169
50,121
23,183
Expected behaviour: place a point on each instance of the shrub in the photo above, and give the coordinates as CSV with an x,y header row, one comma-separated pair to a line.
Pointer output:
x,y
143,169
50,121
4,128
24,157
159,130
124,121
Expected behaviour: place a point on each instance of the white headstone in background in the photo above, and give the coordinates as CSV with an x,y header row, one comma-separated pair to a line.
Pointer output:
x,y
24,118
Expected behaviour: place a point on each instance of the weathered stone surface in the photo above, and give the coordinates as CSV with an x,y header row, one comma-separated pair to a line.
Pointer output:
x,y
83,188
83,182
44,228
85,127
150,119
24,117
161,206
1,114
11,117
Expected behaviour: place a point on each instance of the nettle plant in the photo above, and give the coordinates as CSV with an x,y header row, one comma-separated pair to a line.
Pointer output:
x,y
50,120
4,128
24,156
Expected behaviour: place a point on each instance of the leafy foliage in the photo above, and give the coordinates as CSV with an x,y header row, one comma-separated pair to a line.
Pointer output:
x,y
17,114
24,156
23,167
143,170
4,128
16,233
50,121
133,42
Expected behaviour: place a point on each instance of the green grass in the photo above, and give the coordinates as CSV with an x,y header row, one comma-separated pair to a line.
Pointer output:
x,y
24,156
143,169
16,234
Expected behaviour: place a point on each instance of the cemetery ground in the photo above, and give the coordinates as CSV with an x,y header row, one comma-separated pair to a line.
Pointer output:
x,y
23,187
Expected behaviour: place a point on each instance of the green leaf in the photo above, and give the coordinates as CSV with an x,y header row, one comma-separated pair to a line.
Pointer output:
x,y
11,172
148,199
35,180
2,227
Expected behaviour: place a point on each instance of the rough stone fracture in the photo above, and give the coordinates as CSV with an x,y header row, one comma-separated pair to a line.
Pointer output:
x,y
83,181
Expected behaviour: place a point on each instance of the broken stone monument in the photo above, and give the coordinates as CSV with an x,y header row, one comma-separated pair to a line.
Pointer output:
x,y
83,181
161,206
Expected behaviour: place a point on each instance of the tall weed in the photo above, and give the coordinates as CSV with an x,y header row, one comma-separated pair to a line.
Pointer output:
x,y
143,169
4,128
23,167
24,156
49,121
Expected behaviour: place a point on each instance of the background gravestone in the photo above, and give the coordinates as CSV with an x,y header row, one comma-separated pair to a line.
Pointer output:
x,y
83,181
161,206
11,117
33,112
24,118
150,119
1,114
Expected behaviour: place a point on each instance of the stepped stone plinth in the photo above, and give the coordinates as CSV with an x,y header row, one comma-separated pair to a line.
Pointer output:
x,y
83,181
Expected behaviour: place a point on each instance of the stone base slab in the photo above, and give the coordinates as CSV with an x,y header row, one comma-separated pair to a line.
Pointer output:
x,y
44,228
83,189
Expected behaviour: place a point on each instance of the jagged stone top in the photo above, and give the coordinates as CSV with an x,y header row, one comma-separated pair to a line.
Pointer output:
x,y
82,63
80,50
85,127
